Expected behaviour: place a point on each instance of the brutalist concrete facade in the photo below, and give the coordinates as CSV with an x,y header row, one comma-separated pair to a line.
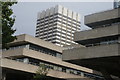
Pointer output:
x,y
57,25
101,49
22,59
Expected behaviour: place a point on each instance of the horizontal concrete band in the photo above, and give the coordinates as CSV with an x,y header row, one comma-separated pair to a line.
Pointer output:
x,y
41,56
10,64
91,52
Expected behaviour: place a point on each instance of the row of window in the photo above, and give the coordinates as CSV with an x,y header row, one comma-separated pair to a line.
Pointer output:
x,y
56,21
40,49
62,29
60,44
58,25
47,26
61,35
57,18
103,43
60,41
67,37
58,14
60,18
46,31
68,26
55,30
108,24
58,37
58,30
58,68
45,50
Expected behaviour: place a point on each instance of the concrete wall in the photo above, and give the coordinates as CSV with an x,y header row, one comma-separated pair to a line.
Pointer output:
x,y
10,64
27,38
59,9
97,33
41,56
102,16
91,52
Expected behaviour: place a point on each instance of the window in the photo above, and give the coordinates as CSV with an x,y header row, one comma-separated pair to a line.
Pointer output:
x,y
63,69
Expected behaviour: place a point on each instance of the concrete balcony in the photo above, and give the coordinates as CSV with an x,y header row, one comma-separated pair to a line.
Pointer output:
x,y
91,52
24,38
103,57
28,68
22,52
86,37
100,18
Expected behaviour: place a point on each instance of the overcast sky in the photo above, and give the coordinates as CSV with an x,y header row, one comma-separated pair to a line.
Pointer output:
x,y
26,12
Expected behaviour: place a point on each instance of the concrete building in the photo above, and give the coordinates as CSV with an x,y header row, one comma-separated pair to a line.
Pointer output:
x,y
101,49
116,3
57,25
21,61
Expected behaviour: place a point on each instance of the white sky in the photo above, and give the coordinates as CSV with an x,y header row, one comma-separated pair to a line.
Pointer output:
x,y
65,0
26,12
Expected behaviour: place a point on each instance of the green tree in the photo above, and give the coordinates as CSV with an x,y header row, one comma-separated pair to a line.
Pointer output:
x,y
41,73
7,23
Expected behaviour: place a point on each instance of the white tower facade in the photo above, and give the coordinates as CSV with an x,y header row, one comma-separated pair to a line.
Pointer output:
x,y
57,25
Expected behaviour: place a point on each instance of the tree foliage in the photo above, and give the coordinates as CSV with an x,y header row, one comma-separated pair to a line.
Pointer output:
x,y
41,72
7,23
